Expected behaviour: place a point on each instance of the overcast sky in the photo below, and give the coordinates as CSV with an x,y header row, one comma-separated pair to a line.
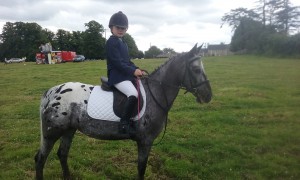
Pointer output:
x,y
177,24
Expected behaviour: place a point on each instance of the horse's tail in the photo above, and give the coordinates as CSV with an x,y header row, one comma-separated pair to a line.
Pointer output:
x,y
43,104
41,123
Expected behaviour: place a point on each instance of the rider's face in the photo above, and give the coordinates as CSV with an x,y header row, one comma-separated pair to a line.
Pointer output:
x,y
118,31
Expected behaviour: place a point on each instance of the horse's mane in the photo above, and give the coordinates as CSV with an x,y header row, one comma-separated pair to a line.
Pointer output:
x,y
171,59
193,52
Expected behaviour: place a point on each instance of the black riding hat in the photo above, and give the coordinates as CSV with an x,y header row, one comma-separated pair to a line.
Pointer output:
x,y
118,19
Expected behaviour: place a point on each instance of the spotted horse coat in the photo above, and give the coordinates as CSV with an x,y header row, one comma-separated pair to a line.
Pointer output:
x,y
63,101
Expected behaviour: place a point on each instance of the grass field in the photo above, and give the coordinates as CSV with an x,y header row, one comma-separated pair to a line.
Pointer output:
x,y
250,130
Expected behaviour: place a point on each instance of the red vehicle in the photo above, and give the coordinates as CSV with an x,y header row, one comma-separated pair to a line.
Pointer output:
x,y
67,56
55,57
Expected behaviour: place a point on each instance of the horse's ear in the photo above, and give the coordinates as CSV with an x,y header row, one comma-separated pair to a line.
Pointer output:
x,y
199,48
195,51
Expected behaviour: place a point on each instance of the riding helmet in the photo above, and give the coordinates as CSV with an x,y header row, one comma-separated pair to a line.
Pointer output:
x,y
118,19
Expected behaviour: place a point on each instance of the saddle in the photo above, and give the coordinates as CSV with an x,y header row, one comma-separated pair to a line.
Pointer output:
x,y
119,99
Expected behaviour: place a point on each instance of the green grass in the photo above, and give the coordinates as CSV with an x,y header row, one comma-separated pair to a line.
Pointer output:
x,y
250,130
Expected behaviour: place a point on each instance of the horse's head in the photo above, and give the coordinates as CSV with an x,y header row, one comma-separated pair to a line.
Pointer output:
x,y
195,80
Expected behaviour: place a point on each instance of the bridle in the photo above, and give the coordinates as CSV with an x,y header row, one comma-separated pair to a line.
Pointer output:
x,y
192,88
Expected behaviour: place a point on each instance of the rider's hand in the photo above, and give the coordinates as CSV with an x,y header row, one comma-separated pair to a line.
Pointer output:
x,y
138,73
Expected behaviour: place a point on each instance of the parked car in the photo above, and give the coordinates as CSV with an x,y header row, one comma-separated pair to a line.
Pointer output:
x,y
15,60
79,58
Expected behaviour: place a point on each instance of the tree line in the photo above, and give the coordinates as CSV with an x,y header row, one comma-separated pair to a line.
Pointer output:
x,y
272,28
21,39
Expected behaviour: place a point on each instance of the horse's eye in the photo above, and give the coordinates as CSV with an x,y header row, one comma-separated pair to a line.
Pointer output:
x,y
198,71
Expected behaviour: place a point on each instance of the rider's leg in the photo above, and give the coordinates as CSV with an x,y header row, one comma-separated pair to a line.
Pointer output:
x,y
130,91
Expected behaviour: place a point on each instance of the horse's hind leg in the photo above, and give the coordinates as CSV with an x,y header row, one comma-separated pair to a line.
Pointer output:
x,y
41,156
63,151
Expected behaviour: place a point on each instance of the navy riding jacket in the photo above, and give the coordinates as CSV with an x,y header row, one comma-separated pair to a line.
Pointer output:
x,y
119,65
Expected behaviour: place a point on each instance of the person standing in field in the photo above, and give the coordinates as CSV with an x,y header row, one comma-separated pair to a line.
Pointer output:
x,y
121,71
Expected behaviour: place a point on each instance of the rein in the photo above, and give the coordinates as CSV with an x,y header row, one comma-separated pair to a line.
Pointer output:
x,y
166,110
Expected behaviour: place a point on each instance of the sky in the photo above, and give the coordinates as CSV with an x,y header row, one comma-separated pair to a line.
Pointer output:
x,y
176,24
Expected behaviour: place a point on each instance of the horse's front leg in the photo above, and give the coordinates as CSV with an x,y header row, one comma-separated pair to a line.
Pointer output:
x,y
143,153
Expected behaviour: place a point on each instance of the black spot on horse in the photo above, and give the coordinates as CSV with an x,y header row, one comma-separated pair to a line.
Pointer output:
x,y
56,104
83,86
58,98
85,101
59,89
46,105
45,94
91,88
66,90
64,113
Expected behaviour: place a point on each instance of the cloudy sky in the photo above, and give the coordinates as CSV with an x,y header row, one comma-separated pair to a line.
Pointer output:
x,y
176,24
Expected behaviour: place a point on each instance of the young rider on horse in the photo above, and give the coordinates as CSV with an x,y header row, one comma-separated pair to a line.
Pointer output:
x,y
121,71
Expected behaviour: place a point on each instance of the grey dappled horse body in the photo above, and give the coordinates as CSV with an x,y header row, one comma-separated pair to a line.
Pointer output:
x,y
63,110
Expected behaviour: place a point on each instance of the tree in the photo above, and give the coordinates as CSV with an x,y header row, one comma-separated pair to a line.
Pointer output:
x,y
271,9
262,10
286,16
93,42
168,51
49,36
21,39
267,31
279,13
133,50
62,40
234,17
76,42
246,36
152,52
140,55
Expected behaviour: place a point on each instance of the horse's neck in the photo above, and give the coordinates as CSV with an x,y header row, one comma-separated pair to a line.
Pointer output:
x,y
170,73
165,82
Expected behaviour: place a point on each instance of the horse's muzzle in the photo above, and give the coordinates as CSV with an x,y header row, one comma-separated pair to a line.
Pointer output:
x,y
203,93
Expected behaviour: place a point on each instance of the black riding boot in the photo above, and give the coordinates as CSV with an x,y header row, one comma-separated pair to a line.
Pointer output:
x,y
128,110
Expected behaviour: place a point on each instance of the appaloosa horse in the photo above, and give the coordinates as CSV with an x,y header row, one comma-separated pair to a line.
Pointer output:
x,y
63,110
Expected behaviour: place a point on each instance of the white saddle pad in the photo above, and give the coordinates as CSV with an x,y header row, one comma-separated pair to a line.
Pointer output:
x,y
100,104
